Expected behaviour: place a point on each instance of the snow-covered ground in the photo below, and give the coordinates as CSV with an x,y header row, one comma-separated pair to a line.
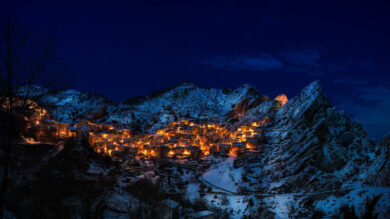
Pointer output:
x,y
236,205
224,176
192,192
357,198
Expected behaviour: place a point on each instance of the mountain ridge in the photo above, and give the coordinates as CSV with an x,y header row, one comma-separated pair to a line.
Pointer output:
x,y
196,102
312,158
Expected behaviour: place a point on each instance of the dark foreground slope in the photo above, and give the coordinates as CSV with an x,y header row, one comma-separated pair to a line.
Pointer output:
x,y
71,181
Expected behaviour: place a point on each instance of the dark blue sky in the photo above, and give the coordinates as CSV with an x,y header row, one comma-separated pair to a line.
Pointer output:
x,y
121,49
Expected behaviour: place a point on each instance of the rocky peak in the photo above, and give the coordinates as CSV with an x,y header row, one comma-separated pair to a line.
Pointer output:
x,y
32,90
313,90
248,90
304,108
386,140
186,84
309,136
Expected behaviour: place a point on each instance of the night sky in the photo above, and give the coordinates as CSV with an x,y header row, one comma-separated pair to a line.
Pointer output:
x,y
121,49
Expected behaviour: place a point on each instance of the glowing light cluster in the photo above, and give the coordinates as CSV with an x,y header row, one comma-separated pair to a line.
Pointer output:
x,y
182,139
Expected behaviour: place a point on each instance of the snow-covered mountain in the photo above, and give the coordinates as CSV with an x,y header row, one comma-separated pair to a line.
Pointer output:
x,y
315,163
190,101
183,101
71,105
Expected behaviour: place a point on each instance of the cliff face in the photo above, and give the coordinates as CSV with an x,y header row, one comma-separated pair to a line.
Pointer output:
x,y
311,141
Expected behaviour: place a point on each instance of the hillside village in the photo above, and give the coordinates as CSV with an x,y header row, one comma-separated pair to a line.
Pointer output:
x,y
243,163
178,140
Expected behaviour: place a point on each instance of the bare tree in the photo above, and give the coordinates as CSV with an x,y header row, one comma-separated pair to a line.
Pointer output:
x,y
26,59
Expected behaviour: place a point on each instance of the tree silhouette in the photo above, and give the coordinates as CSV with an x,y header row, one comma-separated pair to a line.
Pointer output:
x,y
27,59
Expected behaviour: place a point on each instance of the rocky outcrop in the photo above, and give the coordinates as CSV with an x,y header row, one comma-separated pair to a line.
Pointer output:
x,y
245,111
382,177
386,142
282,99
312,146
